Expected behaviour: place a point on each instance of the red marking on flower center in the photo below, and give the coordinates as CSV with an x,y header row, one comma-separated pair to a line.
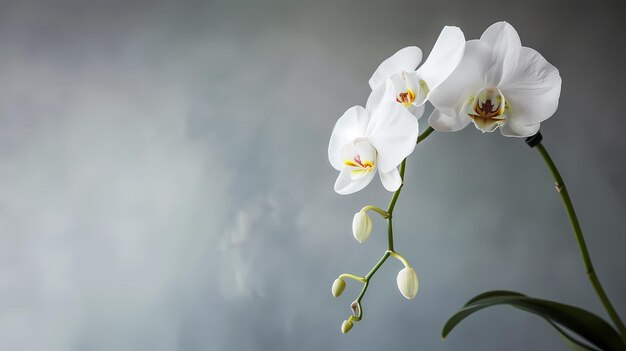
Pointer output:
x,y
487,106
403,98
357,159
406,98
487,110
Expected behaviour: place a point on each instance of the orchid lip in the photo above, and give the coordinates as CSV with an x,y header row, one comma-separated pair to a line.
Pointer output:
x,y
360,157
356,162
488,109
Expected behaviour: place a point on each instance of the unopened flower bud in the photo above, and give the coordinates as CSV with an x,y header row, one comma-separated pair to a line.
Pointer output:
x,y
361,226
338,286
346,326
407,282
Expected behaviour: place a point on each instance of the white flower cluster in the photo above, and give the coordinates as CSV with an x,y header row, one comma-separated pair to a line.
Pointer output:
x,y
494,82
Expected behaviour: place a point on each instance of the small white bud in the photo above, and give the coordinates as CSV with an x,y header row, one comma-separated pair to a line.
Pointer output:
x,y
346,326
361,226
407,282
338,286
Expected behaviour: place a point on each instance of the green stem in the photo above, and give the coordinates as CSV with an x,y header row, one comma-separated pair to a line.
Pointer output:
x,y
396,194
399,258
425,134
371,273
582,246
353,277
375,209
392,205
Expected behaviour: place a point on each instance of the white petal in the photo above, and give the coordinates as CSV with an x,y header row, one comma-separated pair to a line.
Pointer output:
x,y
391,180
444,58
444,123
359,166
417,110
467,79
375,98
513,129
531,85
419,89
359,151
393,131
346,183
350,126
365,151
401,83
501,38
406,60
412,82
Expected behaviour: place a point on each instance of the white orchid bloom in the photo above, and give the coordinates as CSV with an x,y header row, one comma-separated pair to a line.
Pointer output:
x,y
412,86
499,83
365,142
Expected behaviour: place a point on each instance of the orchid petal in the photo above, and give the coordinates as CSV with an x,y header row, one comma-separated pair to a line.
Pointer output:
x,y
391,180
361,148
393,131
402,83
405,59
350,126
444,58
420,91
417,110
500,37
531,85
347,184
359,166
375,98
444,123
512,128
468,78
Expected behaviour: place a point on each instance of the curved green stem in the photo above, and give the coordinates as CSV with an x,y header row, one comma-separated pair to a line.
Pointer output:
x,y
399,258
353,277
582,246
371,274
375,209
392,205
425,134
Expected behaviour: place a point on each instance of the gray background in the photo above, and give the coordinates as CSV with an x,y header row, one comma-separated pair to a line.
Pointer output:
x,y
164,183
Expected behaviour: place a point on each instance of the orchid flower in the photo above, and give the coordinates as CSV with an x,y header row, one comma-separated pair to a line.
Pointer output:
x,y
499,83
411,86
365,142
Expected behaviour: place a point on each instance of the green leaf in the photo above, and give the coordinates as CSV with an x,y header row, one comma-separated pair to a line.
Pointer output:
x,y
571,341
591,328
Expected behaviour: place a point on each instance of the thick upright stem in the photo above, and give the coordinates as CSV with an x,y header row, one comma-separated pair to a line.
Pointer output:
x,y
582,246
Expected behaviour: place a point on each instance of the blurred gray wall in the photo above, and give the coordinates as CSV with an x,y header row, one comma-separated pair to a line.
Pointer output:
x,y
164,183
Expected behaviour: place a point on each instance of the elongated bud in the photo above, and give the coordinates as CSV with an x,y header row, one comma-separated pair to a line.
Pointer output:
x,y
338,286
346,326
361,226
407,282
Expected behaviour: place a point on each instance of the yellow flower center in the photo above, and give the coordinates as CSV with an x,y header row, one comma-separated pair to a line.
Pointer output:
x,y
362,167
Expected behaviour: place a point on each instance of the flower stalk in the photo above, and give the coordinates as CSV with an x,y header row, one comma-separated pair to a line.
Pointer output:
x,y
390,251
580,239
382,213
353,277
